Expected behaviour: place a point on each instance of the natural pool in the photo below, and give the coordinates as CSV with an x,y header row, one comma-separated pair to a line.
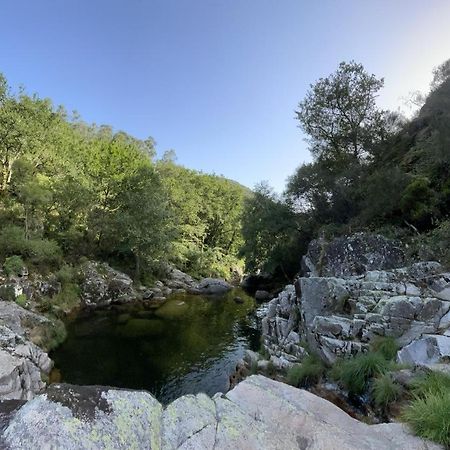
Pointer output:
x,y
188,345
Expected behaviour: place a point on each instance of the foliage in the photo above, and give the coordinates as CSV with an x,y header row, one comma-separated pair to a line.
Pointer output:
x,y
13,265
339,113
308,372
385,390
67,299
7,293
71,190
428,413
431,383
386,346
269,228
21,300
371,170
356,373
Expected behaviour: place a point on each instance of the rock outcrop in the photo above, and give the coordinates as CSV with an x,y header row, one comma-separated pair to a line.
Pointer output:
x,y
103,285
258,414
352,255
23,364
342,314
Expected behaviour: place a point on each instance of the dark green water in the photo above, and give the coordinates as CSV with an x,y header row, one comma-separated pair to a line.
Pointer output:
x,y
188,345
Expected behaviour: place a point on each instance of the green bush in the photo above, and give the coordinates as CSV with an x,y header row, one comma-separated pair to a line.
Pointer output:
x,y
386,346
429,416
7,293
44,252
12,241
13,265
21,300
355,374
308,372
65,274
385,390
68,298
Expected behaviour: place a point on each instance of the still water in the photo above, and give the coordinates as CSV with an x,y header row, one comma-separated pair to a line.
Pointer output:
x,y
188,345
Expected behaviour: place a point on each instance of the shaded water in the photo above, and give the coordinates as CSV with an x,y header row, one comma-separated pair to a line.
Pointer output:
x,y
188,345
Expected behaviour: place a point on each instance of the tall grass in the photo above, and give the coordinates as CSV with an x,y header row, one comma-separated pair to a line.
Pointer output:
x,y
428,414
310,371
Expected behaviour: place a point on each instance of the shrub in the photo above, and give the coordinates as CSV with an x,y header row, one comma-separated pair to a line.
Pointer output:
x,y
12,240
7,293
68,298
65,274
429,416
355,374
385,390
308,372
21,300
13,265
386,346
44,252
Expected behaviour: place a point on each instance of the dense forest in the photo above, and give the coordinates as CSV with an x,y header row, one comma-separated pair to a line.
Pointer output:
x,y
371,170
72,191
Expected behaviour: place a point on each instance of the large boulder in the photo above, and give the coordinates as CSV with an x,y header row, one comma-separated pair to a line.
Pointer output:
x,y
213,286
258,414
352,255
103,285
23,364
428,350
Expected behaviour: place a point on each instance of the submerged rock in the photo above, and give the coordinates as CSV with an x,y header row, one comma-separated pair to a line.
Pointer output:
x,y
258,414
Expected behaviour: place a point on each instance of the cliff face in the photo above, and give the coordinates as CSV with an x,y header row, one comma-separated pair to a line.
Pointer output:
x,y
359,299
258,414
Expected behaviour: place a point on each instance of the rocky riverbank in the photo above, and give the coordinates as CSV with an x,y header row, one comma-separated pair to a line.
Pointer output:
x,y
257,414
31,306
342,313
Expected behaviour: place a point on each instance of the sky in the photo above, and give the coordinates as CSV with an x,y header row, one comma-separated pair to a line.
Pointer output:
x,y
218,81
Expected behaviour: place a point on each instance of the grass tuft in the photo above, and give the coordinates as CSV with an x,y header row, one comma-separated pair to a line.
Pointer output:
x,y
355,374
385,390
386,346
308,372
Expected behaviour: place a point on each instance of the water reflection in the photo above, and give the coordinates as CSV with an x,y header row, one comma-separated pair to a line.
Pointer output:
x,y
188,345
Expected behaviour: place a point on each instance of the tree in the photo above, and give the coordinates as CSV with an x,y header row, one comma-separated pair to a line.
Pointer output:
x,y
440,74
271,234
339,113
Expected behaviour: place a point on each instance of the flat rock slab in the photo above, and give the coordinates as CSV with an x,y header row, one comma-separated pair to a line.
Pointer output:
x,y
257,414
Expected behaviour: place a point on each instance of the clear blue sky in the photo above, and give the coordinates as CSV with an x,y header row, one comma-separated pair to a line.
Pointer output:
x,y
216,80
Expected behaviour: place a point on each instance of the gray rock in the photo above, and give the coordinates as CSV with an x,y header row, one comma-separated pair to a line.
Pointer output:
x,y
429,349
262,296
352,255
103,285
258,414
213,286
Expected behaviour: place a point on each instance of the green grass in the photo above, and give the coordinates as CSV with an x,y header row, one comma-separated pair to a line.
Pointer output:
x,y
428,414
386,346
21,300
385,390
429,417
356,373
431,383
308,372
